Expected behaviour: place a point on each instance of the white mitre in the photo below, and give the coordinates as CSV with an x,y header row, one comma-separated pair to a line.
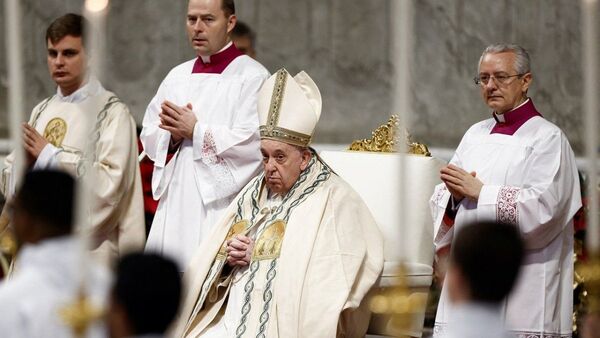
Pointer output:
x,y
289,108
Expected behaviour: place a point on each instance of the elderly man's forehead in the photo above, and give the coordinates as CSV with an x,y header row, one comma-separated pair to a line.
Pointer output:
x,y
274,145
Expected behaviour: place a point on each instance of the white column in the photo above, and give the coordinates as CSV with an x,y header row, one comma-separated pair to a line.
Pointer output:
x,y
402,49
590,9
16,103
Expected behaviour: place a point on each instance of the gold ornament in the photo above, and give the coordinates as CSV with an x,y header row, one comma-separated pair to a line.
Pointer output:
x,y
385,139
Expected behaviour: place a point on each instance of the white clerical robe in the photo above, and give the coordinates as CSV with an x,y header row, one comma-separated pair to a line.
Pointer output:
x,y
476,320
116,209
206,172
46,281
530,180
310,283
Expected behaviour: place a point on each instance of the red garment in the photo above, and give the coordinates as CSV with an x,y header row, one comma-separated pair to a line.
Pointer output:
x,y
218,62
146,169
509,122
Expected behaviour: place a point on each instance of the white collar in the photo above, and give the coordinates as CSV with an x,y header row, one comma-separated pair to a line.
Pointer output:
x,y
206,59
48,250
91,88
501,118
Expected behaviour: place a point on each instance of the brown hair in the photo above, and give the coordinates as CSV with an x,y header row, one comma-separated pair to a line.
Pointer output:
x,y
68,24
228,7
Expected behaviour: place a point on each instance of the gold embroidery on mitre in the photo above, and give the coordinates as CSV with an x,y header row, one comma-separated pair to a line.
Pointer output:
x,y
55,131
236,229
271,130
268,246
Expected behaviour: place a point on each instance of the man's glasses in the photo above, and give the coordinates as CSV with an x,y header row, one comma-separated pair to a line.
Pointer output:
x,y
500,79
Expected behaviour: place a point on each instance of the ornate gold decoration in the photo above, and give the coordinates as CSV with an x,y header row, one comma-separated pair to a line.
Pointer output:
x,y
80,314
271,130
385,139
236,229
8,245
55,131
268,246
589,273
399,303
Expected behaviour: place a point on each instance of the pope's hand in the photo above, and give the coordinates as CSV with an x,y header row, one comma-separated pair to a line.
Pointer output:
x,y
33,143
461,183
179,121
239,250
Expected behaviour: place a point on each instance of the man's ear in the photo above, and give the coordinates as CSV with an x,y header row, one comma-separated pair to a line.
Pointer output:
x,y
306,156
231,21
527,79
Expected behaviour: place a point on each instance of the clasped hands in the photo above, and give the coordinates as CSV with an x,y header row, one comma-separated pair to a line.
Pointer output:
x,y
33,143
461,183
239,250
179,121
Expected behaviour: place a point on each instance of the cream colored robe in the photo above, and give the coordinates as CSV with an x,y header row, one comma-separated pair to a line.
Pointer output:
x,y
331,256
116,211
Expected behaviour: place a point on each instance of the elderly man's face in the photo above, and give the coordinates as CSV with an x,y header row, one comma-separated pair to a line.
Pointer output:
x,y
283,164
67,63
502,97
207,26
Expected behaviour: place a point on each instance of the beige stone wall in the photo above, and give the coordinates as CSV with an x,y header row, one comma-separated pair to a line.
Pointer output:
x,y
344,46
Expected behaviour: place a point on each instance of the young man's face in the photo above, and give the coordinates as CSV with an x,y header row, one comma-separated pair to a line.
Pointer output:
x,y
67,63
207,26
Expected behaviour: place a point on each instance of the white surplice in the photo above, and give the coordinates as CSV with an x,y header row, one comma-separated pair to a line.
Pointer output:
x,y
476,320
530,180
116,209
46,281
205,173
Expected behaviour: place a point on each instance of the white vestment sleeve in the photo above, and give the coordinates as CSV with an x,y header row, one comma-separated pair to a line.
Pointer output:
x,y
438,204
47,157
231,154
546,202
113,168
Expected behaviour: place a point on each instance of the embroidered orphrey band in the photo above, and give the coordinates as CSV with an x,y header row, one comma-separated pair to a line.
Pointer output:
x,y
271,130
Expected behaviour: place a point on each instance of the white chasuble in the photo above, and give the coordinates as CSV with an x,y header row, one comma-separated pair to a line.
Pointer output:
x,y
116,209
206,172
530,180
316,255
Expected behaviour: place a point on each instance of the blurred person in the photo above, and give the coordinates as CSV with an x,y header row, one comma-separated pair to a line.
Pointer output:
x,y
244,39
48,272
145,296
483,268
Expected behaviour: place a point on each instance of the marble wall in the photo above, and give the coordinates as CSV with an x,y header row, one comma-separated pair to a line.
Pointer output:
x,y
345,46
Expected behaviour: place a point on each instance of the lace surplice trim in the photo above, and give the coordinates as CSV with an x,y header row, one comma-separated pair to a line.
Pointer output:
x,y
439,331
507,211
224,182
533,334
445,226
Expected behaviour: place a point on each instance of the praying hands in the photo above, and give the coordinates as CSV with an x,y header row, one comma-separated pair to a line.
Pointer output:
x,y
461,183
179,121
33,143
239,250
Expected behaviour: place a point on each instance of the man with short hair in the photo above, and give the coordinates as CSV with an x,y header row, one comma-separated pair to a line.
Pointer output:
x,y
145,296
244,39
50,269
517,168
297,250
201,132
483,268
56,137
